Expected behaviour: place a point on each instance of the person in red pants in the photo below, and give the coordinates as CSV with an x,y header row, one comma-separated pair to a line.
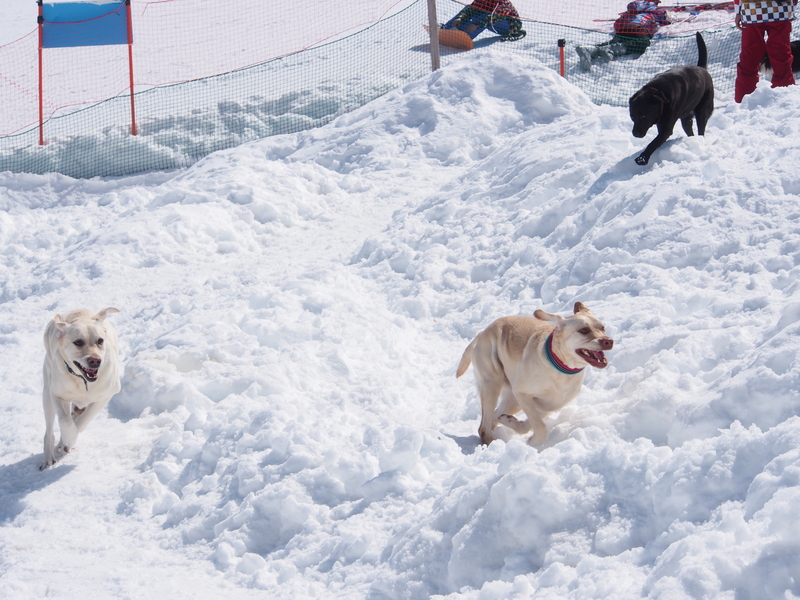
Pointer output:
x,y
755,19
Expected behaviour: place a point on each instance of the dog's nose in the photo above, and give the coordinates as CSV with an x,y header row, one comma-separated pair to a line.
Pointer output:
x,y
94,362
606,343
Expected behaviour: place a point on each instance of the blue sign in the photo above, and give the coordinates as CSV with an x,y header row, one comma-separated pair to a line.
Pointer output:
x,y
70,24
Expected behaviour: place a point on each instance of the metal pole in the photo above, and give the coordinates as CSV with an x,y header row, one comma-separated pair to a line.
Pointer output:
x,y
561,44
433,23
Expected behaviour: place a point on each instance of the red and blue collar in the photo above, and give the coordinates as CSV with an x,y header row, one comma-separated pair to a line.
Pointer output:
x,y
555,361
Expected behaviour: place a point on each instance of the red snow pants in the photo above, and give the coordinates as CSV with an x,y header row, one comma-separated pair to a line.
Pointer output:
x,y
753,48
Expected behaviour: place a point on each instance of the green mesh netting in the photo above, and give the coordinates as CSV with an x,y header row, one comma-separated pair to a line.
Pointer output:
x,y
184,121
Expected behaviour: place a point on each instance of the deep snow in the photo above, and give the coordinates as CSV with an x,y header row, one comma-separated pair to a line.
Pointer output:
x,y
293,311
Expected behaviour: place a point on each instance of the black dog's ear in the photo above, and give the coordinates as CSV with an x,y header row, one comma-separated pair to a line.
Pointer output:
x,y
659,95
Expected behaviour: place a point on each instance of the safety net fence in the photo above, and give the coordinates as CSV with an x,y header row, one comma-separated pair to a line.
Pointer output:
x,y
204,75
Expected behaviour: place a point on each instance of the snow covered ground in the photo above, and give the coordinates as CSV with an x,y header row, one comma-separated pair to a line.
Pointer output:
x,y
293,311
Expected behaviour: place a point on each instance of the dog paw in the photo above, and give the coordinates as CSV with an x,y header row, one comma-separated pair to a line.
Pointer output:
x,y
62,449
508,420
48,461
642,159
536,440
486,436
514,423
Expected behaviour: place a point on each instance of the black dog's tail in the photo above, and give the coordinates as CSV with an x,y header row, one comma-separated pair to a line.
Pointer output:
x,y
702,53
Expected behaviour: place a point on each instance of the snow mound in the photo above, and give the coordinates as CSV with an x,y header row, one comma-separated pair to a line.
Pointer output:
x,y
293,313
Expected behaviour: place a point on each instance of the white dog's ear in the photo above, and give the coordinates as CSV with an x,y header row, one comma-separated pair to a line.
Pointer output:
x,y
61,327
579,307
101,316
546,316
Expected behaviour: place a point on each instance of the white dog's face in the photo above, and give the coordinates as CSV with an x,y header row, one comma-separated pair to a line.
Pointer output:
x,y
585,335
82,345
581,334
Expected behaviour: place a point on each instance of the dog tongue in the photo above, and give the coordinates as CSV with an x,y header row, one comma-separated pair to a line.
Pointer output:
x,y
598,356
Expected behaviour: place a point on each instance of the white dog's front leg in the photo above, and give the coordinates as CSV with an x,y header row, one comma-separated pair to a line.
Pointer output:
x,y
82,419
539,432
49,430
535,422
513,423
69,433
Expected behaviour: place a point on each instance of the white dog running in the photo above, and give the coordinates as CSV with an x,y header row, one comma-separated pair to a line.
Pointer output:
x,y
535,366
81,374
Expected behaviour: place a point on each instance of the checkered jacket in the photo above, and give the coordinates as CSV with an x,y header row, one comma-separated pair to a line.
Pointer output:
x,y
764,11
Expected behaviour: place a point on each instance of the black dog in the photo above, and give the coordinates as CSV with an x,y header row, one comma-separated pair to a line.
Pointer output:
x,y
766,67
680,93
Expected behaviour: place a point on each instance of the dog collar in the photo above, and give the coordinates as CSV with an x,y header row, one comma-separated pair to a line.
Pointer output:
x,y
554,360
85,381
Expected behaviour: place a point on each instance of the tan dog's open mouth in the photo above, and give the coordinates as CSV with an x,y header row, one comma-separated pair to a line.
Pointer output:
x,y
593,357
91,374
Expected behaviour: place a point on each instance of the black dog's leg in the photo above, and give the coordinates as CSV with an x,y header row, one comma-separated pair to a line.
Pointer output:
x,y
664,131
687,125
703,113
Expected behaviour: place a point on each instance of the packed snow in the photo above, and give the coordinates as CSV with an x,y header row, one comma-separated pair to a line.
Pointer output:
x,y
293,311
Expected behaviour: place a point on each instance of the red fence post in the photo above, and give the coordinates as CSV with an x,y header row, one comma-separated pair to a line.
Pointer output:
x,y
561,43
130,65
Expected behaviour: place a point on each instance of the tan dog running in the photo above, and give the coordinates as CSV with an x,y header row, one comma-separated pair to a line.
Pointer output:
x,y
534,366
81,374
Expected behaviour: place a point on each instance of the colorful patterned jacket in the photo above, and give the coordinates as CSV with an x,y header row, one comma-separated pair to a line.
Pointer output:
x,y
500,8
642,18
765,11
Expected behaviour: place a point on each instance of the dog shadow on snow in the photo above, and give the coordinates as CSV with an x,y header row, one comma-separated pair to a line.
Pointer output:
x,y
22,478
624,170
467,443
